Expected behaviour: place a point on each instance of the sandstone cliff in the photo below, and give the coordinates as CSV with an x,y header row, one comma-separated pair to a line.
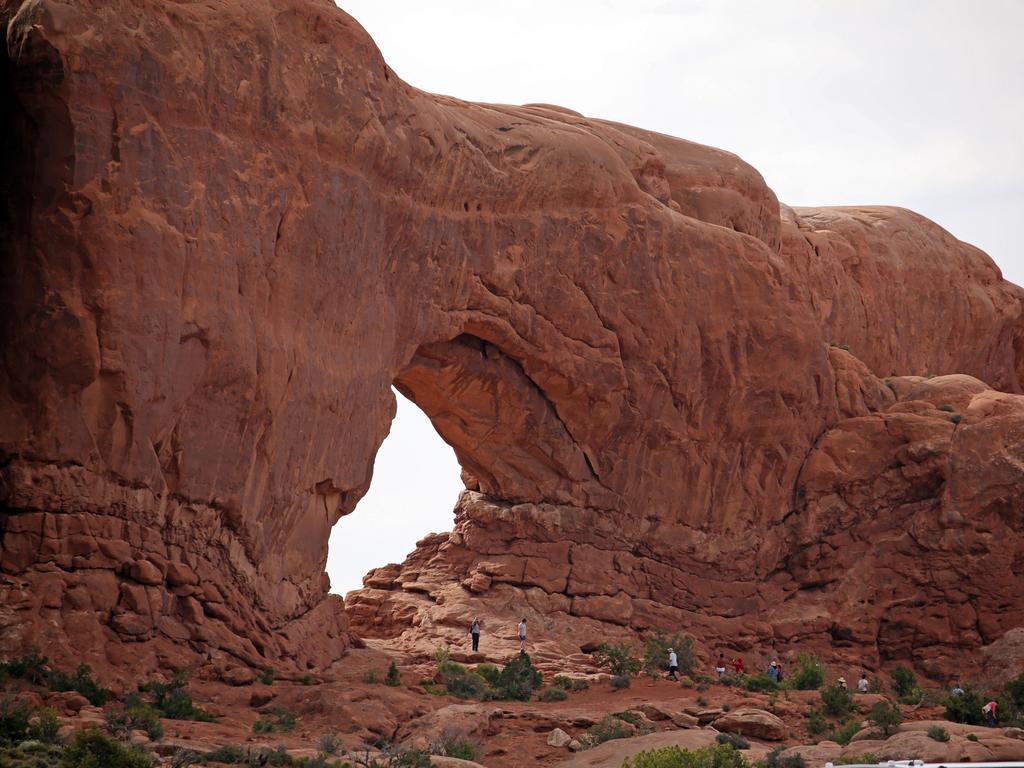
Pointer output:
x,y
229,229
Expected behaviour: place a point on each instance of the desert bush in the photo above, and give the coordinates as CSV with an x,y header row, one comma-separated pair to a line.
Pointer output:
x,y
965,708
282,719
394,679
562,681
947,408
606,729
442,654
876,685
760,683
142,717
904,685
266,676
938,733
816,722
686,681
656,647
229,753
619,659
972,737
553,694
14,720
263,725
455,743
774,760
518,679
92,749
461,682
620,682
81,681
847,732
173,701
719,756
867,758
727,707
836,700
307,680
809,674
734,739
885,715
45,726
279,756
330,744
488,672
371,677
701,701
30,666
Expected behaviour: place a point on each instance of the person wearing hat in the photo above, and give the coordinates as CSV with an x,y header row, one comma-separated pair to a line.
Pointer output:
x,y
842,683
673,664
773,671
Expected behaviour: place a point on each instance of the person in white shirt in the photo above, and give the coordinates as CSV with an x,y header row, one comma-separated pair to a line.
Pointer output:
x,y
673,664
862,684
522,634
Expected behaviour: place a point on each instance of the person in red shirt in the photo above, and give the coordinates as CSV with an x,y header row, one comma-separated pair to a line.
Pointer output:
x,y
737,665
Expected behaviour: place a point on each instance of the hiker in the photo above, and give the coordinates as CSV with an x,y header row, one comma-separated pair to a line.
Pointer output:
x,y
956,691
778,674
989,710
673,664
737,665
841,682
720,665
773,671
863,686
522,634
474,632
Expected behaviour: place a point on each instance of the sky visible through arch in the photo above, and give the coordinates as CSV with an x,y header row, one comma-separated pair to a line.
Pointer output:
x,y
917,103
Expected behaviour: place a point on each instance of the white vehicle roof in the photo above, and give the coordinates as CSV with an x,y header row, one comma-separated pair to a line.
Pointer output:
x,y
922,764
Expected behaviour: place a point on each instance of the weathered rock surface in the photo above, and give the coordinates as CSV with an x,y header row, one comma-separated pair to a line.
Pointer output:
x,y
753,722
229,229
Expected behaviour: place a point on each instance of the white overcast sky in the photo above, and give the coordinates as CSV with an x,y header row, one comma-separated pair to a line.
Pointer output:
x,y
918,103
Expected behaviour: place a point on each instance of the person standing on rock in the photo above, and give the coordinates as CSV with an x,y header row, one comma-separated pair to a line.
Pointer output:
x,y
720,665
673,664
522,634
841,682
863,686
989,710
474,632
773,671
737,665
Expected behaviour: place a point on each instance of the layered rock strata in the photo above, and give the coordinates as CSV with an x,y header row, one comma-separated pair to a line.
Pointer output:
x,y
229,229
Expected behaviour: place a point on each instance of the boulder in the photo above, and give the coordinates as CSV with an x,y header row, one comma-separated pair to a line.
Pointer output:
x,y
756,723
558,738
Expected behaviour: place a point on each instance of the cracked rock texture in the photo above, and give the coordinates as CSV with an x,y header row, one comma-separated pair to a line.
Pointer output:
x,y
230,228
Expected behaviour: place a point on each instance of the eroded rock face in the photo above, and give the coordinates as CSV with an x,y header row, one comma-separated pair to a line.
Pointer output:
x,y
230,230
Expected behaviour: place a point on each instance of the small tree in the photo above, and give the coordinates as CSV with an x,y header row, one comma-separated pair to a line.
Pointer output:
x,y
965,708
809,674
518,679
904,682
619,660
393,678
886,715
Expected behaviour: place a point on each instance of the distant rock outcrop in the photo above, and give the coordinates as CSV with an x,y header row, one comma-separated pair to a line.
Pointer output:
x,y
229,230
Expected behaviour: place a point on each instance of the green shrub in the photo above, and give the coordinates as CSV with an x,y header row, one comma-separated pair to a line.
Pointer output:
x,y
307,679
14,720
686,681
620,682
773,760
461,682
816,722
31,666
553,694
263,725
938,733
965,708
809,674
562,681
734,739
285,719
701,687
441,655
885,715
875,685
719,756
393,679
656,647
81,681
173,701
143,717
518,679
946,407
701,701
836,700
370,677
455,744
904,682
491,673
727,707
229,754
267,676
279,756
45,726
760,683
92,749
606,729
867,758
845,734
1014,691
972,737
619,659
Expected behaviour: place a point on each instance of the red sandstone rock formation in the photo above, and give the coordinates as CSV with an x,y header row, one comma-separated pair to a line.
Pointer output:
x,y
229,229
